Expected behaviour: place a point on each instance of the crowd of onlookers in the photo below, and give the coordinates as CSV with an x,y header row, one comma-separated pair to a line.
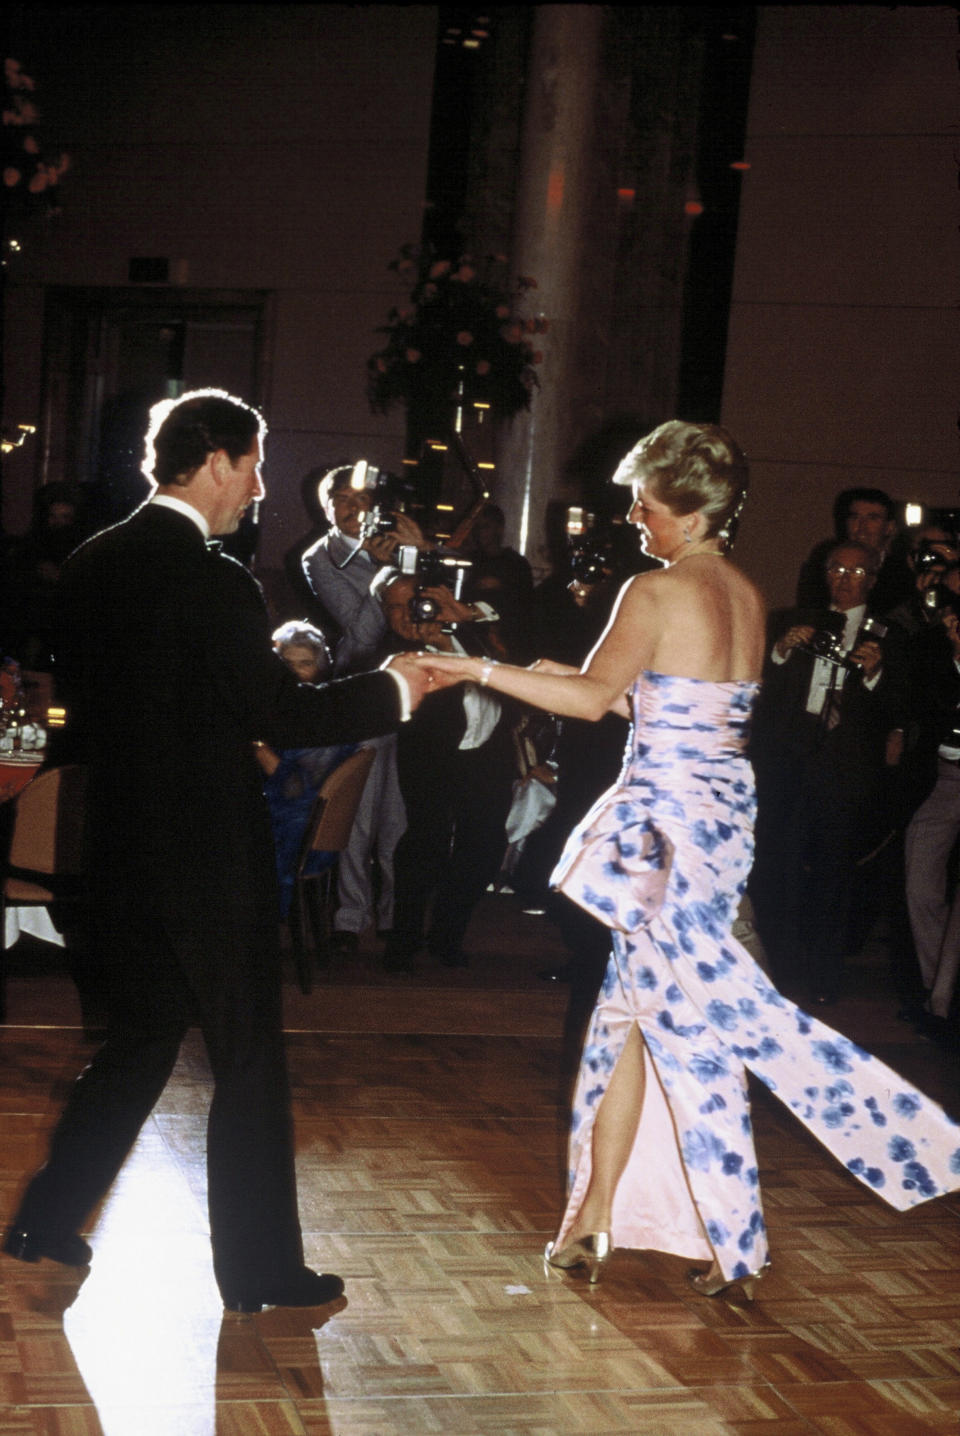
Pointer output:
x,y
856,737
856,748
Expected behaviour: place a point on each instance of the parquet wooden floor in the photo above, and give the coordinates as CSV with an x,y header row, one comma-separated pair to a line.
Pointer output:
x,y
431,1133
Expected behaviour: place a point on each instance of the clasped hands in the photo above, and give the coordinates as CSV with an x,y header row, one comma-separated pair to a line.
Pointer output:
x,y
443,669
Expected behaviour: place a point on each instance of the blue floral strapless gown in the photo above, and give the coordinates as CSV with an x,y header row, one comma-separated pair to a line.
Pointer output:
x,y
662,858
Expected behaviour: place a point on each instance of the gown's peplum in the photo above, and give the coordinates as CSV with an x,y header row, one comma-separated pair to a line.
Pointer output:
x,y
662,859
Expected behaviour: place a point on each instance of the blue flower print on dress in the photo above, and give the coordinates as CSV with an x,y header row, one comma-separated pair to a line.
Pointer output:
x,y
917,1178
722,1015
677,830
834,1055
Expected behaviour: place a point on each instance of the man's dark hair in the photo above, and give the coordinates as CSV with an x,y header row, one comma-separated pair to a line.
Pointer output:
x,y
184,431
332,482
845,501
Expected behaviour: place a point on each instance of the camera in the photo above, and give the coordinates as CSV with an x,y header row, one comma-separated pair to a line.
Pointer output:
x,y
926,557
389,493
590,558
827,637
431,567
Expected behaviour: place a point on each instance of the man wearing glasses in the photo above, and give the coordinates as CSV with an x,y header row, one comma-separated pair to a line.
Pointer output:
x,y
830,701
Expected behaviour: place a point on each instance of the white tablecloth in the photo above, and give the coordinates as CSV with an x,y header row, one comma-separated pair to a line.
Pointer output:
x,y
32,920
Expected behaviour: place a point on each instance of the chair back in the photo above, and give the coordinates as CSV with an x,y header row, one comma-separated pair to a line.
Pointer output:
x,y
335,806
48,824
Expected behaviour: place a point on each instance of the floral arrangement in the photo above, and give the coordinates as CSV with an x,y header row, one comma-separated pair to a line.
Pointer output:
x,y
458,338
25,170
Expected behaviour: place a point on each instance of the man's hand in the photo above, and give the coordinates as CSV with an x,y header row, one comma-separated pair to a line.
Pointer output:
x,y
418,678
382,547
443,672
450,609
408,531
868,655
795,637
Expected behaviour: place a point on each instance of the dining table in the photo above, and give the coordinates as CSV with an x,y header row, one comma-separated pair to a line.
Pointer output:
x,y
18,766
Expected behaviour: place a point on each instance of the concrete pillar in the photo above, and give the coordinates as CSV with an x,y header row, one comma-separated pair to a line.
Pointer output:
x,y
553,217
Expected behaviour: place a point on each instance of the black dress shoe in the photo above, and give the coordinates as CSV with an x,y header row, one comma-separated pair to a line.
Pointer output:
x,y
304,1288
27,1245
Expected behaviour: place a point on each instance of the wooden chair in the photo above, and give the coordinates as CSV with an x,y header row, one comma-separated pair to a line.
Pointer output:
x,y
44,866
328,831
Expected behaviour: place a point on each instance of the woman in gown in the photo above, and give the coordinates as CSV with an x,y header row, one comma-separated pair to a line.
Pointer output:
x,y
661,1151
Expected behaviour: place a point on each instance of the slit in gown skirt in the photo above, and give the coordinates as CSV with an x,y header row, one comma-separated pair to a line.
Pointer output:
x,y
662,858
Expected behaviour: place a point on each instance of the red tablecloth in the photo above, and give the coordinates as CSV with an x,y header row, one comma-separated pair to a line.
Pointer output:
x,y
16,772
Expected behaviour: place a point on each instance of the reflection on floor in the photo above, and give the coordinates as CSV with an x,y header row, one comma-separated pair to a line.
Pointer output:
x,y
430,1130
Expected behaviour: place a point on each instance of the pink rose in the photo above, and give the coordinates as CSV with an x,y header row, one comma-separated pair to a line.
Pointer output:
x,y
511,334
413,355
503,311
465,338
39,182
465,274
483,366
31,146
439,268
11,176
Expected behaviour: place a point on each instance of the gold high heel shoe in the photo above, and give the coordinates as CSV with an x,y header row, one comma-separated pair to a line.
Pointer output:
x,y
709,1283
592,1251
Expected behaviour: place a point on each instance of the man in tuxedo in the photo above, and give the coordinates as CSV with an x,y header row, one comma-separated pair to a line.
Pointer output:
x,y
165,664
456,765
820,749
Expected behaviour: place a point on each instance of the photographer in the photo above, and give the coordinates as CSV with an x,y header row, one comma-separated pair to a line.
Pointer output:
x,y
932,552
340,567
932,901
456,769
824,741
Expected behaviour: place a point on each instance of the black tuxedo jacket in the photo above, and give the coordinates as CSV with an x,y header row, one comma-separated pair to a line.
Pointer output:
x,y
165,665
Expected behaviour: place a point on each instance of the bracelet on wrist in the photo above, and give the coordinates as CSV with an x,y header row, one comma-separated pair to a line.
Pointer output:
x,y
485,671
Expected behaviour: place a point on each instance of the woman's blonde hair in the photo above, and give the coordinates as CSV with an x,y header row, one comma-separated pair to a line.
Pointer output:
x,y
692,468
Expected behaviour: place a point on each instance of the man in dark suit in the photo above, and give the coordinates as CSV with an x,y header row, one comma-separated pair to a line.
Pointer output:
x,y
168,674
820,749
866,516
456,766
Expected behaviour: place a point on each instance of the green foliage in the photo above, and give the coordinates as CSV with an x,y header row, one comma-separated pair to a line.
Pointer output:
x,y
459,336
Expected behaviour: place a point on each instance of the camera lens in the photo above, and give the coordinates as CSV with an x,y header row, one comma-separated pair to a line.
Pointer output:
x,y
423,608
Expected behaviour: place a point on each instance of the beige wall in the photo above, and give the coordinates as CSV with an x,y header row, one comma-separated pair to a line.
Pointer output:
x,y
844,345
278,148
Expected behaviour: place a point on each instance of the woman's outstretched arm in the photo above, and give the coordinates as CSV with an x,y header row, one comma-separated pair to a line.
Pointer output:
x,y
599,687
